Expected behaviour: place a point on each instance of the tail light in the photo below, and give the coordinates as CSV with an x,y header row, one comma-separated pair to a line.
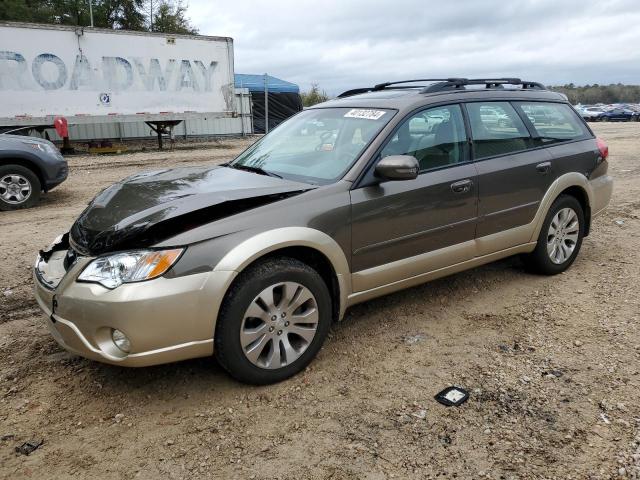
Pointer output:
x,y
604,149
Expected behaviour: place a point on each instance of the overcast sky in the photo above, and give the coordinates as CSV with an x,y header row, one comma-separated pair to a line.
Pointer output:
x,y
351,43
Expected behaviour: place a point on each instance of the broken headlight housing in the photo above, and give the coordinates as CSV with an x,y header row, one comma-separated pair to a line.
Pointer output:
x,y
113,270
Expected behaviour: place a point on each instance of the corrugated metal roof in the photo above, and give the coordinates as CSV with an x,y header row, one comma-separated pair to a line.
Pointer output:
x,y
255,83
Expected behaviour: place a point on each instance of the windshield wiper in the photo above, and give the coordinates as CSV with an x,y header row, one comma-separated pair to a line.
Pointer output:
x,y
258,170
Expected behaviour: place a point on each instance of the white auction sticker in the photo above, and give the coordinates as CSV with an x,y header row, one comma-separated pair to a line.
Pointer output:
x,y
363,113
454,396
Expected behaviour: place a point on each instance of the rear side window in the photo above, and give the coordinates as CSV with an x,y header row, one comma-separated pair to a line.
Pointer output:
x,y
497,129
553,122
436,137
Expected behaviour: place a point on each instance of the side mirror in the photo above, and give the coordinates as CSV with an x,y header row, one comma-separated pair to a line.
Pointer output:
x,y
397,167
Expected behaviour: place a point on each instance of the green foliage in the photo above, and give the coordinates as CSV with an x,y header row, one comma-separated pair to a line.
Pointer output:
x,y
26,11
169,16
313,96
120,14
592,94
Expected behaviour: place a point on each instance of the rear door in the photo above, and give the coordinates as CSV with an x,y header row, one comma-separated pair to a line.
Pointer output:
x,y
563,133
393,221
513,175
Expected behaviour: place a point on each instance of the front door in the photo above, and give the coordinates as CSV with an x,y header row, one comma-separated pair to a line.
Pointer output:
x,y
396,224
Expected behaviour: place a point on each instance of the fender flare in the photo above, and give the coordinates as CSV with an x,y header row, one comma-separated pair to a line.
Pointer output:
x,y
250,250
567,180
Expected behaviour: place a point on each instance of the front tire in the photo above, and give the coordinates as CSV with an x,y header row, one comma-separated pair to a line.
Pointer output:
x,y
19,187
560,238
273,321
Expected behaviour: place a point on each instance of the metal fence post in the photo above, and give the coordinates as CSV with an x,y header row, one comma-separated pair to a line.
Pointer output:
x,y
266,103
242,112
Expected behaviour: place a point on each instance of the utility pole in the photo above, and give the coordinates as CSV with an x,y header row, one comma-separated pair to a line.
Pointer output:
x,y
91,12
151,15
266,103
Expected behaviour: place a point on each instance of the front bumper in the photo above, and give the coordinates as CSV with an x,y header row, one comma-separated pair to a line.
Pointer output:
x,y
60,176
166,320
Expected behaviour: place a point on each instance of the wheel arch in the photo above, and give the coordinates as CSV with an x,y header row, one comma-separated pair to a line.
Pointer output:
x,y
574,184
581,195
26,163
308,245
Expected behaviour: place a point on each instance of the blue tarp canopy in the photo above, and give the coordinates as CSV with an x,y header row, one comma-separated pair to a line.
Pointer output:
x,y
255,83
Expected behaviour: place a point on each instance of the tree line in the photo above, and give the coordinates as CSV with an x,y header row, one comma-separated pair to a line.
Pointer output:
x,y
166,16
592,94
313,96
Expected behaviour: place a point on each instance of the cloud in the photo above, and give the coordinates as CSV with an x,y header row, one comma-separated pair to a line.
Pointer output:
x,y
346,44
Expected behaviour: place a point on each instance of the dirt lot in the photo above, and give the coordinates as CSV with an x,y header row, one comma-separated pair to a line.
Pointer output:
x,y
552,365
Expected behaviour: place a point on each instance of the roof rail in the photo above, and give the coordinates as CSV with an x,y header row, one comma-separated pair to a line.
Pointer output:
x,y
443,84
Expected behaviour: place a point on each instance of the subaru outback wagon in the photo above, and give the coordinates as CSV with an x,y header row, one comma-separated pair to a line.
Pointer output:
x,y
378,190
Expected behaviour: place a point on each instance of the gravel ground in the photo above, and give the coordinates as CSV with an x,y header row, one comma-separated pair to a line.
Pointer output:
x,y
551,364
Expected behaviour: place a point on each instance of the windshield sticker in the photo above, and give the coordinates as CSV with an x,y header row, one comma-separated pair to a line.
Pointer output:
x,y
362,113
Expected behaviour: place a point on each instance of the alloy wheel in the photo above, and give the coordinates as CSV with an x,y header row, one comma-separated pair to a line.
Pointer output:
x,y
15,189
562,236
279,325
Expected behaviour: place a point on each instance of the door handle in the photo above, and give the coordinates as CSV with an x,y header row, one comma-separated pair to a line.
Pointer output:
x,y
463,186
543,167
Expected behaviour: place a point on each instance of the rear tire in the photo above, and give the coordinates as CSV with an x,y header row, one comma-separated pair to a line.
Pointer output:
x,y
273,321
19,187
560,238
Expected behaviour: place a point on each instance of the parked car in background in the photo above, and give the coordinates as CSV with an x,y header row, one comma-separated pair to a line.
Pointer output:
x,y
493,116
28,166
618,115
383,188
591,114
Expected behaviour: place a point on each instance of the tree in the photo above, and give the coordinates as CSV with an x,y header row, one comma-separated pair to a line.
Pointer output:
x,y
171,17
25,11
590,94
313,96
120,14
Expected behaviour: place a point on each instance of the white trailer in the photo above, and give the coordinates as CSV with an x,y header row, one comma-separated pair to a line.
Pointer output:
x,y
100,76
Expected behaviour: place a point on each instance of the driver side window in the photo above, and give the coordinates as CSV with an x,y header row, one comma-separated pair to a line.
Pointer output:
x,y
436,137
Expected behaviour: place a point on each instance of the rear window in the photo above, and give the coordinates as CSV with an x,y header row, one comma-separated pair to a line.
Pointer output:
x,y
553,122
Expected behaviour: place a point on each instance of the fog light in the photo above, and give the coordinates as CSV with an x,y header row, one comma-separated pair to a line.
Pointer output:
x,y
121,340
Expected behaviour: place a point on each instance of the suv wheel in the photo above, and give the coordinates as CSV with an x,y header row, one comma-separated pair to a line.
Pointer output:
x,y
560,238
273,321
19,187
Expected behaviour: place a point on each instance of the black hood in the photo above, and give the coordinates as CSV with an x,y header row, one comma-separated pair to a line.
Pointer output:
x,y
144,209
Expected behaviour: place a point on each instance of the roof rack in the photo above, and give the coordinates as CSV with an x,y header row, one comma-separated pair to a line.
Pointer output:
x,y
444,84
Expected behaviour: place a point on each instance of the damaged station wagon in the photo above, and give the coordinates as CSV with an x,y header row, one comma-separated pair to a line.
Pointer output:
x,y
378,190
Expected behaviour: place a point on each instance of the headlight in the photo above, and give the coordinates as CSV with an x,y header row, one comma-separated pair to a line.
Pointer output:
x,y
112,271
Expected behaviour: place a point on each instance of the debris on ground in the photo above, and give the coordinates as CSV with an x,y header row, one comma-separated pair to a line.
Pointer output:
x,y
413,339
29,447
452,396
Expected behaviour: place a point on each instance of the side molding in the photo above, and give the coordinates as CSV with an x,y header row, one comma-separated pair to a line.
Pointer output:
x,y
263,243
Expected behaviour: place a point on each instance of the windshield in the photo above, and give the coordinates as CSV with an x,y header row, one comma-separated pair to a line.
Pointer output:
x,y
316,146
